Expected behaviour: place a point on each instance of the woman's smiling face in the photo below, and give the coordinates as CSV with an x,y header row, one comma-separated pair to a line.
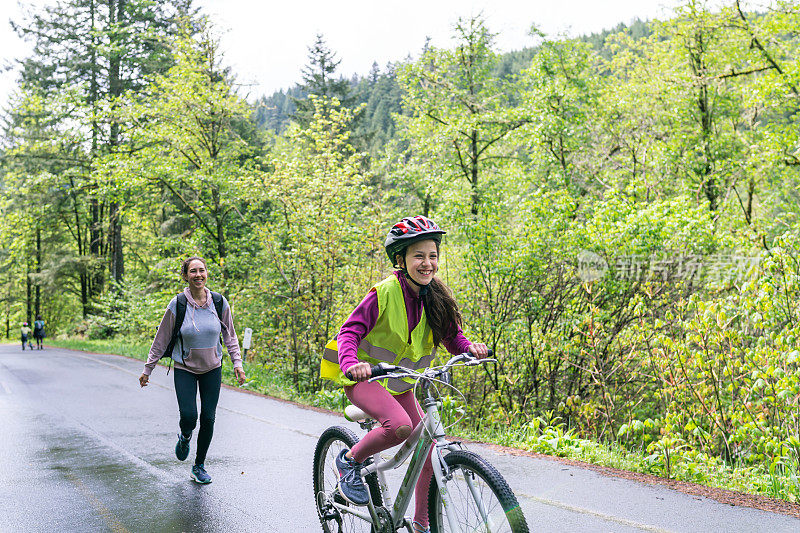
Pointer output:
x,y
196,274
421,261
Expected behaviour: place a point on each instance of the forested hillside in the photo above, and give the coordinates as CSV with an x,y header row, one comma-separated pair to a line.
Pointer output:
x,y
380,94
621,211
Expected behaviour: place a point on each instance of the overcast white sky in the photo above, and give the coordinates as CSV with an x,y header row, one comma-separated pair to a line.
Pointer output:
x,y
266,42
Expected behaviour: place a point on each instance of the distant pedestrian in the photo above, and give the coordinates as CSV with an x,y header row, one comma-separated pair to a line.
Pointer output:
x,y
38,331
197,353
25,332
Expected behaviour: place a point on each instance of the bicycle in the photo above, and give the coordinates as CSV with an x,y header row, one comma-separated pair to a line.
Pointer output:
x,y
466,493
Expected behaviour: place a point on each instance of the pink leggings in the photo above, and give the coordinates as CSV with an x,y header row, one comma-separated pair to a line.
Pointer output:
x,y
393,413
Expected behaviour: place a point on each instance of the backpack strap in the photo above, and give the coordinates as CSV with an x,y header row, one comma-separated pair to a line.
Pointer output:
x,y
180,313
217,299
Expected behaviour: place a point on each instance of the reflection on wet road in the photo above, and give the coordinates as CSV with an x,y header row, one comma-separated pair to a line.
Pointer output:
x,y
83,448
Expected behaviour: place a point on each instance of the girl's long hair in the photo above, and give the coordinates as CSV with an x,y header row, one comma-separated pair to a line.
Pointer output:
x,y
442,311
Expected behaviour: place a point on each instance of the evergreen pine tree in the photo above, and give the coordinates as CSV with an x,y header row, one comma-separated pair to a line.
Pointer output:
x,y
320,80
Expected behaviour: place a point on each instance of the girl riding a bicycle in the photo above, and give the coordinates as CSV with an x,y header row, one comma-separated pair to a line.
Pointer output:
x,y
401,321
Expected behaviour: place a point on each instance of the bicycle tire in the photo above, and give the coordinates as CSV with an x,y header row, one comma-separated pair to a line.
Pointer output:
x,y
500,503
325,477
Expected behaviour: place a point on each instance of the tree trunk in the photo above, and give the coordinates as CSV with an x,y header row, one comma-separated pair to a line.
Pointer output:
x,y
29,289
95,277
473,160
117,261
426,205
37,304
708,181
117,264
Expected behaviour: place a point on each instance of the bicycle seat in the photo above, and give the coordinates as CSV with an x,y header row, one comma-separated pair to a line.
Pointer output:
x,y
354,414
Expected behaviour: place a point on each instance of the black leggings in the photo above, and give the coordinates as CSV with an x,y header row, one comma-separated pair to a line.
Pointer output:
x,y
186,385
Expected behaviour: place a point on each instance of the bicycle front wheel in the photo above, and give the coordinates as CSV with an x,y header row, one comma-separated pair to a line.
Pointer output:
x,y
332,441
481,499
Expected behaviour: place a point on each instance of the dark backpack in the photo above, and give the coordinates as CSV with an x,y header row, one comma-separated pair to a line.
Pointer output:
x,y
180,313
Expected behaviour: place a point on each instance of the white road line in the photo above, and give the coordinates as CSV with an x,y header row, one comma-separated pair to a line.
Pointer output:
x,y
602,516
5,387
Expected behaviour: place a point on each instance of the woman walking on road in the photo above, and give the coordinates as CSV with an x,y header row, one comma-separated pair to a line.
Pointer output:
x,y
38,331
401,321
197,353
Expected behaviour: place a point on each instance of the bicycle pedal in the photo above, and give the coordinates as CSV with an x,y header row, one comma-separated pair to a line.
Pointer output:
x,y
331,515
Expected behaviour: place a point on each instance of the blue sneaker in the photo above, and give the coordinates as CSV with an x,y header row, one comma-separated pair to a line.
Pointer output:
x,y
200,475
182,447
351,486
419,528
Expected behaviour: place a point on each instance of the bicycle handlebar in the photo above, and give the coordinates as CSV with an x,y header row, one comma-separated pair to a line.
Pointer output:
x,y
384,369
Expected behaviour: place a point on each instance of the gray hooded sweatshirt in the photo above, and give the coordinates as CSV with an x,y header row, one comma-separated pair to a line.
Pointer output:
x,y
201,350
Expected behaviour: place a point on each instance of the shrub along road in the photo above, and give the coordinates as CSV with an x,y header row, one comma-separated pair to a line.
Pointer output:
x,y
84,448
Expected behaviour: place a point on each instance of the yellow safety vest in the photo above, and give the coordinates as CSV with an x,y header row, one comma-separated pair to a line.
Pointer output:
x,y
388,341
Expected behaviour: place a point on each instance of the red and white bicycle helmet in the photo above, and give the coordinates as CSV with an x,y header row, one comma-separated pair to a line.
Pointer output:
x,y
410,230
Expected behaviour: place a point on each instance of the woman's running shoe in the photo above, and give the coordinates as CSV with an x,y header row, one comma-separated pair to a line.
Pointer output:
x,y
200,475
182,447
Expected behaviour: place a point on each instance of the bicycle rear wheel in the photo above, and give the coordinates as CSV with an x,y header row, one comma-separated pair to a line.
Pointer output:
x,y
478,495
332,441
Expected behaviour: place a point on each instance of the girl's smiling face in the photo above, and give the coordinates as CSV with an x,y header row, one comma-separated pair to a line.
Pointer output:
x,y
196,274
421,261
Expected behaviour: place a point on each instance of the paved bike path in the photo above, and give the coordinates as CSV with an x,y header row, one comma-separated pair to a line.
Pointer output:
x,y
83,448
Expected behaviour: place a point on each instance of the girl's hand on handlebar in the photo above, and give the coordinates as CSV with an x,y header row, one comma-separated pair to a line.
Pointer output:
x,y
360,372
479,350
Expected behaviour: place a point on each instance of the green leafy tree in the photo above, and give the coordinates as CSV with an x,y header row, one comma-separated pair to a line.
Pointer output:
x,y
190,150
459,113
87,54
318,244
562,93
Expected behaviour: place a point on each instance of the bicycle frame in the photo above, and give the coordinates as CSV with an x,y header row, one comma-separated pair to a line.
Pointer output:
x,y
428,435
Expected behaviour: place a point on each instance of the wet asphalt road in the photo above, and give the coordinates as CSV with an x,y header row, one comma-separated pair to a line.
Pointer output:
x,y
83,448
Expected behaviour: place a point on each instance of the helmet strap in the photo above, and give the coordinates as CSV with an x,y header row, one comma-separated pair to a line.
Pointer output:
x,y
423,289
